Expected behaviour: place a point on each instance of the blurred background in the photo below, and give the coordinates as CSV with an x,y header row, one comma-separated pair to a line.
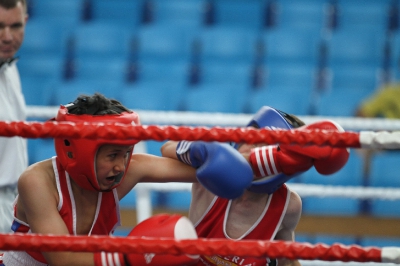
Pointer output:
x,y
305,57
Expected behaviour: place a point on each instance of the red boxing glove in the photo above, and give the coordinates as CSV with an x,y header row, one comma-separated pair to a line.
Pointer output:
x,y
162,225
271,160
109,259
327,160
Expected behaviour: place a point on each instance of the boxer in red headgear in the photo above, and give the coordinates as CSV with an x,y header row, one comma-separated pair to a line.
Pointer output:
x,y
78,191
77,156
267,210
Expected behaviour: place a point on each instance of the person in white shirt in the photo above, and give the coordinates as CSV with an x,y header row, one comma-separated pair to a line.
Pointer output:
x,y
13,155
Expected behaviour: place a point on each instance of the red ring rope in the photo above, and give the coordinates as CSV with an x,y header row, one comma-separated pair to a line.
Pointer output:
x,y
112,131
255,248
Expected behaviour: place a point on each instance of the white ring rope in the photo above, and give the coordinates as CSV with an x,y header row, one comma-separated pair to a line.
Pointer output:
x,y
380,140
223,119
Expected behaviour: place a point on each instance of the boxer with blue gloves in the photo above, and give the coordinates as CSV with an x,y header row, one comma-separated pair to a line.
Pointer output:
x,y
268,209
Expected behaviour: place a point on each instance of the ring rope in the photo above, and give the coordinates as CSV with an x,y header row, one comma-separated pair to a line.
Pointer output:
x,y
364,139
202,246
228,119
304,190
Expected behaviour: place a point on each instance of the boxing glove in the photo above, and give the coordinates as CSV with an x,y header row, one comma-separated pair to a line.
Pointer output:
x,y
327,159
161,226
164,225
271,160
220,168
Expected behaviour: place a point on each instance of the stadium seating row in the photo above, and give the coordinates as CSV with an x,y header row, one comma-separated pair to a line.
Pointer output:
x,y
224,60
255,14
108,44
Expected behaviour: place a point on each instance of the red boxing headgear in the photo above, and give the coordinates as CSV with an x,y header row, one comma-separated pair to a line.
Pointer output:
x,y
78,156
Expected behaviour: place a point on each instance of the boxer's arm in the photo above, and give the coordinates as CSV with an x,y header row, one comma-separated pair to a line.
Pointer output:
x,y
37,205
289,224
150,168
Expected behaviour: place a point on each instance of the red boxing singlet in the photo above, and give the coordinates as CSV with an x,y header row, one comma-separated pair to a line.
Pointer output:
x,y
213,225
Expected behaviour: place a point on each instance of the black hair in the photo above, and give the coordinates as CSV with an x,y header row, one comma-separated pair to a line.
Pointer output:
x,y
97,104
293,120
8,4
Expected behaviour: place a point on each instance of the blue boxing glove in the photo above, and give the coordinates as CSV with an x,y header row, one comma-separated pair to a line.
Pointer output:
x,y
220,168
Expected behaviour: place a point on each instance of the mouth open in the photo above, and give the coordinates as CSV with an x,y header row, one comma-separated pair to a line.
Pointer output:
x,y
111,178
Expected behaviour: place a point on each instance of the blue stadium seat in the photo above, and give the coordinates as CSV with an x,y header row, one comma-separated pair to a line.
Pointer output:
x,y
170,71
122,12
225,98
43,39
216,72
40,149
334,239
178,200
248,14
380,242
114,69
395,46
228,43
63,11
42,68
66,92
356,47
369,15
362,77
343,102
299,76
102,40
164,42
129,201
291,45
288,99
154,147
384,173
303,238
36,90
331,206
350,175
309,15
161,96
385,208
179,12
122,232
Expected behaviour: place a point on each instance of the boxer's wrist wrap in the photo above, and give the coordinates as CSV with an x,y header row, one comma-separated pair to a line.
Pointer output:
x,y
183,153
262,161
109,259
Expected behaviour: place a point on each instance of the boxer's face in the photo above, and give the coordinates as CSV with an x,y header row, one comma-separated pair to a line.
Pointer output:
x,y
111,160
12,28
